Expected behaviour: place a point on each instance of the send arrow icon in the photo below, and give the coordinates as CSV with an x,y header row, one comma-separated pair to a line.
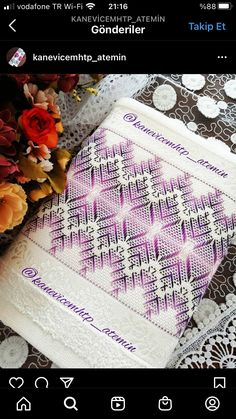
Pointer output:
x,y
67,381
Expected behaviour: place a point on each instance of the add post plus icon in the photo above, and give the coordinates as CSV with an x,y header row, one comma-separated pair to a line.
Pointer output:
x,y
67,381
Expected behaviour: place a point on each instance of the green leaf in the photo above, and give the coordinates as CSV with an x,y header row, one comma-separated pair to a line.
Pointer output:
x,y
62,156
30,169
57,177
45,188
62,153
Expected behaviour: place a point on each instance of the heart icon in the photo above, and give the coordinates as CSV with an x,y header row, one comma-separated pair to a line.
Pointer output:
x,y
16,382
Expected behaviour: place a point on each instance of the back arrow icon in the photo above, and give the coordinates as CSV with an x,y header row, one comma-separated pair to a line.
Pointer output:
x,y
10,25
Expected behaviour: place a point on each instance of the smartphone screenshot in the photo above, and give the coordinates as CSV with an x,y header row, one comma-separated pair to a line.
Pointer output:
x,y
117,209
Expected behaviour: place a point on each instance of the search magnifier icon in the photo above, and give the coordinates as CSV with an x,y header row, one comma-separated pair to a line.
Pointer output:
x,y
70,403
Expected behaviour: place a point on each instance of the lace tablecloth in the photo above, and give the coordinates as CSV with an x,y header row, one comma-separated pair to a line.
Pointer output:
x,y
207,105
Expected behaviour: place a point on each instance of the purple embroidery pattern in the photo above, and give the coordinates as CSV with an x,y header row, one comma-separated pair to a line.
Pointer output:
x,y
142,236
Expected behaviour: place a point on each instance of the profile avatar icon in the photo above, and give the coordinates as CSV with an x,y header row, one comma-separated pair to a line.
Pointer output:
x,y
212,403
16,57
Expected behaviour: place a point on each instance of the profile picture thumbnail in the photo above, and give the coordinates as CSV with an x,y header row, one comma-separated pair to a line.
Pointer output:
x,y
16,57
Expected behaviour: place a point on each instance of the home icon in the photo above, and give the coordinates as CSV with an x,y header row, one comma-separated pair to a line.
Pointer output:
x,y
23,405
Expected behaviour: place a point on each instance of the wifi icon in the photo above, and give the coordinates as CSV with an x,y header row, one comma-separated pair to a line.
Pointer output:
x,y
90,6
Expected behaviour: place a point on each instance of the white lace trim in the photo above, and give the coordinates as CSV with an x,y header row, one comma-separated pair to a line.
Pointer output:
x,y
79,119
90,348
193,348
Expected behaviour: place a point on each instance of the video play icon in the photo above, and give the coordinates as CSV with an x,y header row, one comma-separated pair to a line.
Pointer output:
x,y
67,381
118,403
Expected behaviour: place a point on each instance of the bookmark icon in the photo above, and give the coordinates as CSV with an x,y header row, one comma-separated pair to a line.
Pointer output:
x,y
67,381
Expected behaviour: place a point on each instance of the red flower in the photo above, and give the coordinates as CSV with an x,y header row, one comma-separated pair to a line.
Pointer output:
x,y
45,78
65,82
39,126
7,137
8,119
68,82
7,168
20,78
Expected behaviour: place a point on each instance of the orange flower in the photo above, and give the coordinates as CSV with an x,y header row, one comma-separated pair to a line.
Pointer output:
x,y
22,179
37,152
13,205
43,99
52,96
41,192
39,126
59,127
58,122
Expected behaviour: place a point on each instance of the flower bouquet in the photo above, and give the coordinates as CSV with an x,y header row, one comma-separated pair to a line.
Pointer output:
x,y
32,165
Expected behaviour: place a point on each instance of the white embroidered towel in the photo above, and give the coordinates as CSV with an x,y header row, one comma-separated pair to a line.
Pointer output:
x,y
108,273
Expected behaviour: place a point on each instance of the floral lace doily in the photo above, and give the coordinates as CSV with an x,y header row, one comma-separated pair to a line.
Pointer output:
x,y
193,81
13,352
208,107
230,88
164,97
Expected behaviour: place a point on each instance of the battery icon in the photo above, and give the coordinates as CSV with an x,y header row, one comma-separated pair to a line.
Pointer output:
x,y
224,6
